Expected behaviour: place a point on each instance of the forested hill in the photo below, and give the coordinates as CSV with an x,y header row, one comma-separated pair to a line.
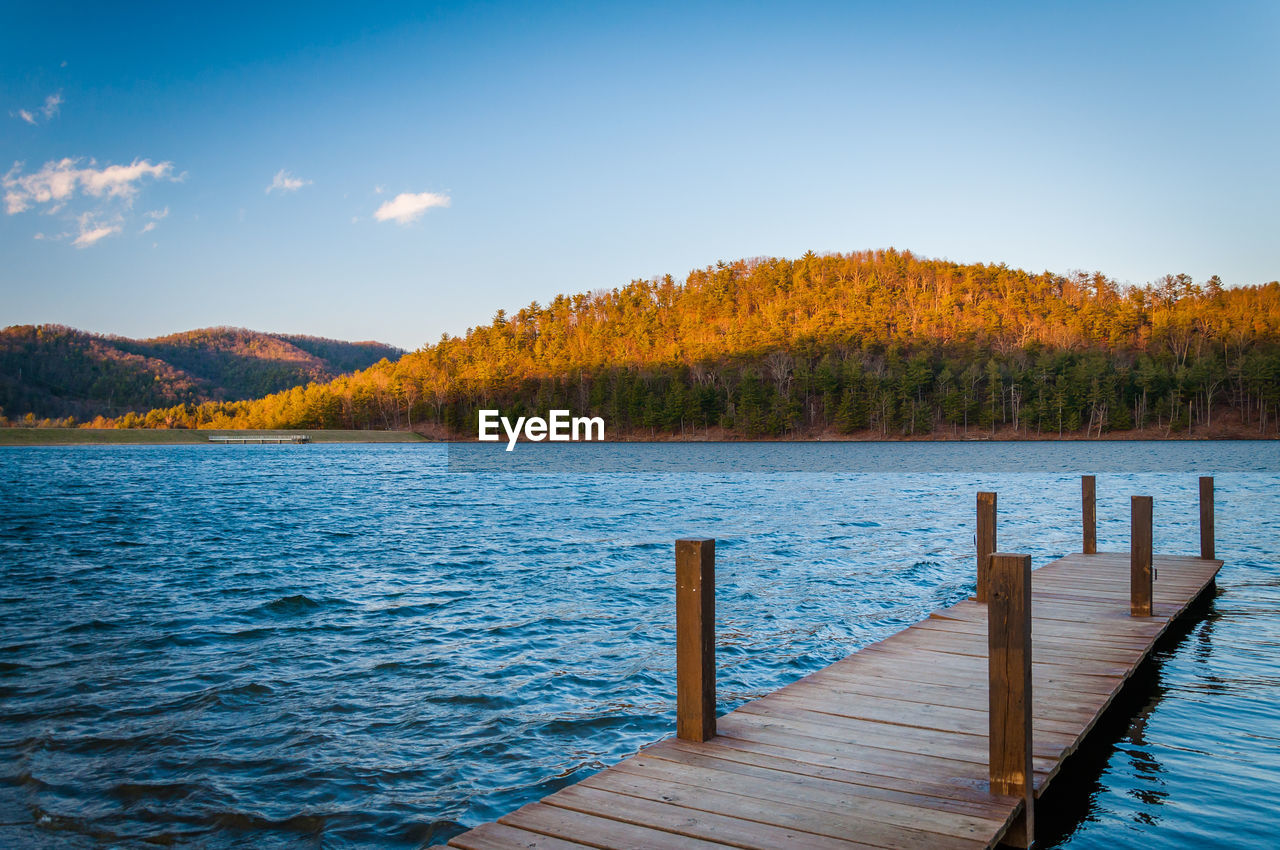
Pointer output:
x,y
54,371
883,343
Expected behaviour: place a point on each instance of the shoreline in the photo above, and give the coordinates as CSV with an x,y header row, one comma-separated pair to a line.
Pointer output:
x,y
17,437
185,437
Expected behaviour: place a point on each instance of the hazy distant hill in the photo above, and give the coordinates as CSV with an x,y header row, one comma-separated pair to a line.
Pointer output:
x,y
55,371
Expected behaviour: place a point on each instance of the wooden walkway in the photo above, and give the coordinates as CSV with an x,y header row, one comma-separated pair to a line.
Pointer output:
x,y
887,748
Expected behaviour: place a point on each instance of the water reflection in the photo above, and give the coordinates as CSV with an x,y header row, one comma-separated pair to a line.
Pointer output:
x,y
1120,743
1145,765
1190,768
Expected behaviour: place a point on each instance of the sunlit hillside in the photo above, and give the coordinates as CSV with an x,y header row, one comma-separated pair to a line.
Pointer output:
x,y
882,342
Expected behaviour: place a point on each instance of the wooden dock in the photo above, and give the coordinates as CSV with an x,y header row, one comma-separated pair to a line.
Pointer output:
x,y
924,739
259,438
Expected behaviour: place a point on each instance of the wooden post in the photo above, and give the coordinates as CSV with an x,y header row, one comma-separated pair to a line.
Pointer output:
x,y
1009,672
1089,513
1140,557
986,540
1206,517
696,639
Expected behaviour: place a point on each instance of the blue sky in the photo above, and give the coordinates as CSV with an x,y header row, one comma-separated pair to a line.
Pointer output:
x,y
431,164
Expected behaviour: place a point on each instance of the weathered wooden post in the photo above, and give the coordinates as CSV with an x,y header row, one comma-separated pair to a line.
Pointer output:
x,y
1009,674
1140,557
1206,517
696,639
986,540
1089,513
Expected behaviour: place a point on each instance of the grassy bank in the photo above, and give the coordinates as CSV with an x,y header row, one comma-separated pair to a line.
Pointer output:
x,y
151,436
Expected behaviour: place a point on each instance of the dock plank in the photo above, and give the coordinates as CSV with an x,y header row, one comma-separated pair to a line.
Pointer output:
x,y
924,795
588,830
687,823
887,748
880,823
497,836
920,813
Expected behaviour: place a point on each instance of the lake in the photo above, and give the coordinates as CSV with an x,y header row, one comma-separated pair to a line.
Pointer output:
x,y
380,645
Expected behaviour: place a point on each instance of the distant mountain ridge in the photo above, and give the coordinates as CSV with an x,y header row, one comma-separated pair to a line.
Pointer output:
x,y
56,371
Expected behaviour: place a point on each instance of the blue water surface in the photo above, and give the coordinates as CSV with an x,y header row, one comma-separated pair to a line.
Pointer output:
x,y
370,645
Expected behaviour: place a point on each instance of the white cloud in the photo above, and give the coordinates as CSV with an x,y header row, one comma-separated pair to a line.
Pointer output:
x,y
84,240
286,182
119,181
57,182
155,216
406,207
102,194
52,104
91,231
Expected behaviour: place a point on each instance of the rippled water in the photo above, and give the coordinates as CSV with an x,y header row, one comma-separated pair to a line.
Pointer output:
x,y
352,645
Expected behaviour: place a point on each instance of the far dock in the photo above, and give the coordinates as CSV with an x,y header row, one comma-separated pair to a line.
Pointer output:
x,y
941,736
258,438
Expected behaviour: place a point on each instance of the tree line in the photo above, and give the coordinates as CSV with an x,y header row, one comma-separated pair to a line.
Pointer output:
x,y
881,343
